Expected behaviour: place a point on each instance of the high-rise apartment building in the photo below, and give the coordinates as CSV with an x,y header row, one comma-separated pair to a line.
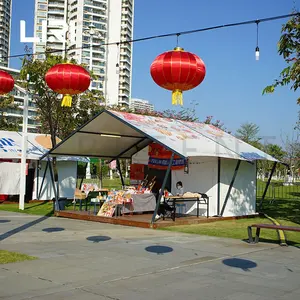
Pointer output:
x,y
96,23
15,114
140,104
5,25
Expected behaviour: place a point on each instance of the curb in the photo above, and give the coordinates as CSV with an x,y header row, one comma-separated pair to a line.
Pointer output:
x,y
281,235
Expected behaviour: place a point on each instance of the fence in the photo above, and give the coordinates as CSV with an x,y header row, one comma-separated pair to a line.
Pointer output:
x,y
278,190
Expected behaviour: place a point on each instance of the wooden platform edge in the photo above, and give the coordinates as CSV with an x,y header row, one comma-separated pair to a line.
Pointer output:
x,y
157,225
93,218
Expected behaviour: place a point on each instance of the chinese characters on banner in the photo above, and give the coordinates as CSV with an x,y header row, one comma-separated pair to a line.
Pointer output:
x,y
136,172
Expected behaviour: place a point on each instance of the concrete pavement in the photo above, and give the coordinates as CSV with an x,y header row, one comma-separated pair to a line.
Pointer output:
x,y
79,259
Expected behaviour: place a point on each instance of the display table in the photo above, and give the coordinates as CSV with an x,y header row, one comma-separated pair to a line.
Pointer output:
x,y
142,203
172,200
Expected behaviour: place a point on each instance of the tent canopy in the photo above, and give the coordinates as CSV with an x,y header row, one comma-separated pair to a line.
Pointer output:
x,y
112,135
37,146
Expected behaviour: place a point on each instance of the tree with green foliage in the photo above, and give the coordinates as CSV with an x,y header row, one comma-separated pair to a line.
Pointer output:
x,y
248,132
276,151
289,49
6,103
56,120
184,114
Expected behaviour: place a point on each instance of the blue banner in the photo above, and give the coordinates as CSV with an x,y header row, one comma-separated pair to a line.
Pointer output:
x,y
161,163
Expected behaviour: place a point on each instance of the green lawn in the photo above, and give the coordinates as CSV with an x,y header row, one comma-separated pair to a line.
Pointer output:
x,y
107,183
237,229
41,209
7,257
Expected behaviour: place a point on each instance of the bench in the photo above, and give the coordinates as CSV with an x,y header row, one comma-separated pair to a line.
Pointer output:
x,y
268,226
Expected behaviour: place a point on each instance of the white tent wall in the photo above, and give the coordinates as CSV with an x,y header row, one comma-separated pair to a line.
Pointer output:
x,y
67,176
202,178
242,199
141,157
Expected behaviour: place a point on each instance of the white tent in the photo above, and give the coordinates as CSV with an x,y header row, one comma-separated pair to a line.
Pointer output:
x,y
38,145
220,165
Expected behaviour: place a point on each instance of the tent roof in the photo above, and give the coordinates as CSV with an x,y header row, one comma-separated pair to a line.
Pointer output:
x,y
38,145
112,134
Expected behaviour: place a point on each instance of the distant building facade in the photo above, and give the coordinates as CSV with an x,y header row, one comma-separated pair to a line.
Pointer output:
x,y
140,104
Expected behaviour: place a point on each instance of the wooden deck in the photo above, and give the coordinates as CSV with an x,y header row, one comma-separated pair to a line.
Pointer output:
x,y
141,220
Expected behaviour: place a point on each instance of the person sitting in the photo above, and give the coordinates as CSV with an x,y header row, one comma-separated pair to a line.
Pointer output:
x,y
179,187
163,206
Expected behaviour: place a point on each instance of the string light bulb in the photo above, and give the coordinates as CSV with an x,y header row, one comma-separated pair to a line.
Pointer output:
x,y
257,53
257,48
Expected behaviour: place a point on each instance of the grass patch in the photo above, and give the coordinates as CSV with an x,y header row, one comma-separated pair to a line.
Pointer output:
x,y
287,210
107,183
7,257
41,209
237,229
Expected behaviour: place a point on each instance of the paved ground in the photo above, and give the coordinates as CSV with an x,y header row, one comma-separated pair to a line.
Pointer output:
x,y
86,260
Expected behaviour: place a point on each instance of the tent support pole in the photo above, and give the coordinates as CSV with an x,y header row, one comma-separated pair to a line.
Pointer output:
x,y
230,187
267,186
53,184
219,185
81,181
162,188
37,180
120,171
44,176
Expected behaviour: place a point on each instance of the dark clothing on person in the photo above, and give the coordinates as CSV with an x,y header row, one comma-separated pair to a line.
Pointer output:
x,y
163,208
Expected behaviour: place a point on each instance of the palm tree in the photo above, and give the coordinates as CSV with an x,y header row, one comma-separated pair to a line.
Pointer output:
x,y
248,133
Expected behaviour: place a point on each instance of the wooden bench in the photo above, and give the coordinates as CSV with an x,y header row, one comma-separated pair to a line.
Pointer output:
x,y
268,226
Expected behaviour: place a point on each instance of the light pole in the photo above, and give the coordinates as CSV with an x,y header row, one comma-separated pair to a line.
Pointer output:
x,y
92,31
24,149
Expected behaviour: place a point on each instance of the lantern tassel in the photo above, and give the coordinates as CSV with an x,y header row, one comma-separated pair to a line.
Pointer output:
x,y
66,101
177,97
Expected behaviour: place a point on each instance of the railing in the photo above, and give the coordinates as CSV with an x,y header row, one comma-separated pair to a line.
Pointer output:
x,y
279,190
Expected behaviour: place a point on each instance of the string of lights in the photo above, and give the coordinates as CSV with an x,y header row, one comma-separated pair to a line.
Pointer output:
x,y
177,34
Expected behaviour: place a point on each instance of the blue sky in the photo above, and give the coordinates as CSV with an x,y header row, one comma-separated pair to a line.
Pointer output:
x,y
232,89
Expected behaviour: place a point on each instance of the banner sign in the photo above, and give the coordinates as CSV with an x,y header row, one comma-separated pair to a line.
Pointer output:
x,y
158,151
162,164
137,172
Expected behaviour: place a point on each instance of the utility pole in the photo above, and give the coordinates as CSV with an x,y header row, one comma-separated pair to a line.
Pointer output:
x,y
24,148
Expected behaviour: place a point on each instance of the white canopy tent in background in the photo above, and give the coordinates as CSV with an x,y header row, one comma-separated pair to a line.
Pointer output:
x,y
38,145
117,135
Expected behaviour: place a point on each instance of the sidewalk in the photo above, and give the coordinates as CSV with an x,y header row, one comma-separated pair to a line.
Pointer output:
x,y
100,261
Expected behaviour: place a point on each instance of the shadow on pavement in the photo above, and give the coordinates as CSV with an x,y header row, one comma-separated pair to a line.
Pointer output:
x,y
4,221
159,249
53,229
98,238
239,263
24,227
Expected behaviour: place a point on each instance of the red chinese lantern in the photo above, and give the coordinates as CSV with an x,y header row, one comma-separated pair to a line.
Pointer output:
x,y
178,71
68,79
6,83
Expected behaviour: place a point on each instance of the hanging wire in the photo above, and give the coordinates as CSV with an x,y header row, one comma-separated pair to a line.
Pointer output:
x,y
177,40
167,34
118,59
